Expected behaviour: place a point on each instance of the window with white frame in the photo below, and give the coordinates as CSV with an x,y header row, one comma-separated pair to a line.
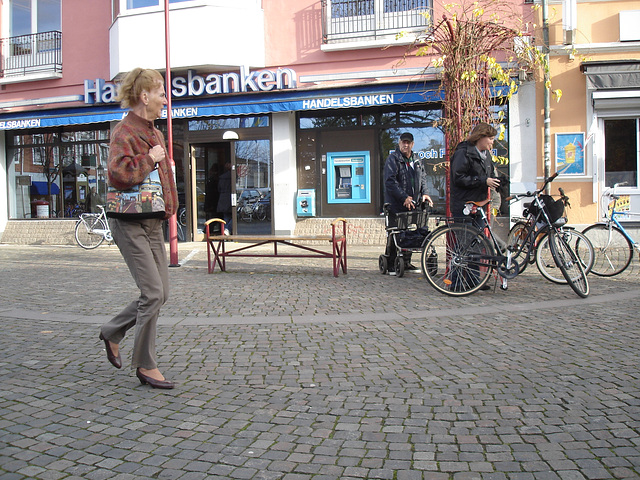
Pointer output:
x,y
34,16
621,151
353,19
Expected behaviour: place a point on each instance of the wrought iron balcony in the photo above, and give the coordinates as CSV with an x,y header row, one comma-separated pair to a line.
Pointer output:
x,y
39,53
361,20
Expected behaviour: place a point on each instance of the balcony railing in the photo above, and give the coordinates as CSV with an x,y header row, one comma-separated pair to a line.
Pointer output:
x,y
31,54
355,20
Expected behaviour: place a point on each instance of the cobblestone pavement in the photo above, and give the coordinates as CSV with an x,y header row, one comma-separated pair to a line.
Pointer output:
x,y
285,372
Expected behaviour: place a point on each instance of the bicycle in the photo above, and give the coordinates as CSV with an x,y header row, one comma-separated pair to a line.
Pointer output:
x,y
541,253
459,257
612,243
92,229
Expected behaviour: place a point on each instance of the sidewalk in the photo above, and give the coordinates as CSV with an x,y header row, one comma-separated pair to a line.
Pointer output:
x,y
285,372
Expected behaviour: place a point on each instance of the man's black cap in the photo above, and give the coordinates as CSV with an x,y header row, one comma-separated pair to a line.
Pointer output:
x,y
406,136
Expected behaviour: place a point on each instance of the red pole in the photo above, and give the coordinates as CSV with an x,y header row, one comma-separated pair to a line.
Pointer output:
x,y
173,221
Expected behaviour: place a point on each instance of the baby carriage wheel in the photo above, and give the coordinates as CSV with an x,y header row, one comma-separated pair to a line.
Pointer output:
x,y
383,264
399,266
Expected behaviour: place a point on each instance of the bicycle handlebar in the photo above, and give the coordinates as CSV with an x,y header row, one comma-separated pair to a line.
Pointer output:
x,y
547,181
611,191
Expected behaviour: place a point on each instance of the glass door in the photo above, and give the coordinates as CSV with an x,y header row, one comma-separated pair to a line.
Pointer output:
x,y
209,162
252,187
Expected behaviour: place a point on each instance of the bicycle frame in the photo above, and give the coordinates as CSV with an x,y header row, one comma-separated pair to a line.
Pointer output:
x,y
615,213
106,233
503,263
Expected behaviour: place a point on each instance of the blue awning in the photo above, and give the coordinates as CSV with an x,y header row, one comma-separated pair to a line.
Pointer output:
x,y
243,104
40,188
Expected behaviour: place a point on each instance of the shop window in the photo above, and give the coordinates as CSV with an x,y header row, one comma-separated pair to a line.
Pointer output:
x,y
622,152
59,168
418,116
218,123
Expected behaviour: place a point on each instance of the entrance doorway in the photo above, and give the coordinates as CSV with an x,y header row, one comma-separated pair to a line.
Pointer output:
x,y
208,162
251,163
231,181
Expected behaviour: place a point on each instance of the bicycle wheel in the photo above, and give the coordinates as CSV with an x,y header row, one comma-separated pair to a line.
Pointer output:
x,y
182,216
518,237
580,245
613,251
454,260
569,264
85,231
261,213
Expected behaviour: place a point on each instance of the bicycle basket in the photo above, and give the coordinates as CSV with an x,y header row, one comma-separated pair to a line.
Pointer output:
x,y
554,208
417,217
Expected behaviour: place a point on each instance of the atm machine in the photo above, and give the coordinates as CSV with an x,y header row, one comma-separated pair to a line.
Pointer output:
x,y
348,177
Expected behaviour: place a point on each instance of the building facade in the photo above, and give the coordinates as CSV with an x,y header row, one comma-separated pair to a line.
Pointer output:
x,y
301,101
595,126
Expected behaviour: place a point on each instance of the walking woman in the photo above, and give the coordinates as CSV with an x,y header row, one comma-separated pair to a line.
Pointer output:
x,y
142,194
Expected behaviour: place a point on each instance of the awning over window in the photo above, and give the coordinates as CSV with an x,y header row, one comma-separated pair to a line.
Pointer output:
x,y
612,74
40,188
245,104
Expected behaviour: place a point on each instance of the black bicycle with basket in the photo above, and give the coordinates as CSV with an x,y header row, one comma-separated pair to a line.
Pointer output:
x,y
407,232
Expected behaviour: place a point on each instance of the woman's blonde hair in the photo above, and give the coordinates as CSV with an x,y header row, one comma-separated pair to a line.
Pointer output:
x,y
479,131
134,83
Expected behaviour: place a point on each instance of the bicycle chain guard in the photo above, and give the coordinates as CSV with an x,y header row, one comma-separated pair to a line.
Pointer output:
x,y
508,273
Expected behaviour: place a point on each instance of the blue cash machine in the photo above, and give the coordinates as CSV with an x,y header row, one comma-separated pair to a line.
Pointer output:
x,y
306,203
348,177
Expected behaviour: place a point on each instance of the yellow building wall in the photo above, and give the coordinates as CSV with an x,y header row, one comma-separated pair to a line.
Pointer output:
x,y
598,23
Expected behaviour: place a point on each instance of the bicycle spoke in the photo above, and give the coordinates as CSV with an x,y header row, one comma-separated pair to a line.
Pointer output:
x,y
613,251
569,264
454,260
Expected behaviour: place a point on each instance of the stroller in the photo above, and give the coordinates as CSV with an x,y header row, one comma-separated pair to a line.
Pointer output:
x,y
406,233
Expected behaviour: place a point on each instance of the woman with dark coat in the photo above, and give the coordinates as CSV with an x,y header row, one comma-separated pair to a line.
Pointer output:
x,y
472,172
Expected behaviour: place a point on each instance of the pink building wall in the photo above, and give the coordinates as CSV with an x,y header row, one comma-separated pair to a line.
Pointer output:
x,y
85,53
293,31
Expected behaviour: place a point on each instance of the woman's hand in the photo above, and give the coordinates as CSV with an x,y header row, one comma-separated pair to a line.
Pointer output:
x,y
493,182
157,154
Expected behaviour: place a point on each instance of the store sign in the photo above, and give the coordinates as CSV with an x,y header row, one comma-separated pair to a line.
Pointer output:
x,y
18,124
194,85
345,102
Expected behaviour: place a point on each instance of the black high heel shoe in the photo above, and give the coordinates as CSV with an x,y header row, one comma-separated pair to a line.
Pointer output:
x,y
115,360
164,384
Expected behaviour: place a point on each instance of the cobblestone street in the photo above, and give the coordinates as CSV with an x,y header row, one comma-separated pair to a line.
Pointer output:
x,y
285,372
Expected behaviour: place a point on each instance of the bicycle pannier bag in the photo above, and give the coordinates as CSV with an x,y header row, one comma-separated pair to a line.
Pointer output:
x,y
144,198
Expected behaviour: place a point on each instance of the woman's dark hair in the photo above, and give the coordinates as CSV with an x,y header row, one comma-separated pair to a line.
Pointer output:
x,y
134,83
479,131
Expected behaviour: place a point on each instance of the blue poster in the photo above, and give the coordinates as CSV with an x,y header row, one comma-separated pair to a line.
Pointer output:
x,y
570,153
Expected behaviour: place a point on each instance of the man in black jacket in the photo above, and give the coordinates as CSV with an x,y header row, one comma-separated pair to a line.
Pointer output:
x,y
405,182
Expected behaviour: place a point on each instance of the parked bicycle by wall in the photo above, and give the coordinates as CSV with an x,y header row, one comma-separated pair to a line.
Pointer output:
x,y
613,244
92,229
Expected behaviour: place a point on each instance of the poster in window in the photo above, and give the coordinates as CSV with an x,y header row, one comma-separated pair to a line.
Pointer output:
x,y
570,153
